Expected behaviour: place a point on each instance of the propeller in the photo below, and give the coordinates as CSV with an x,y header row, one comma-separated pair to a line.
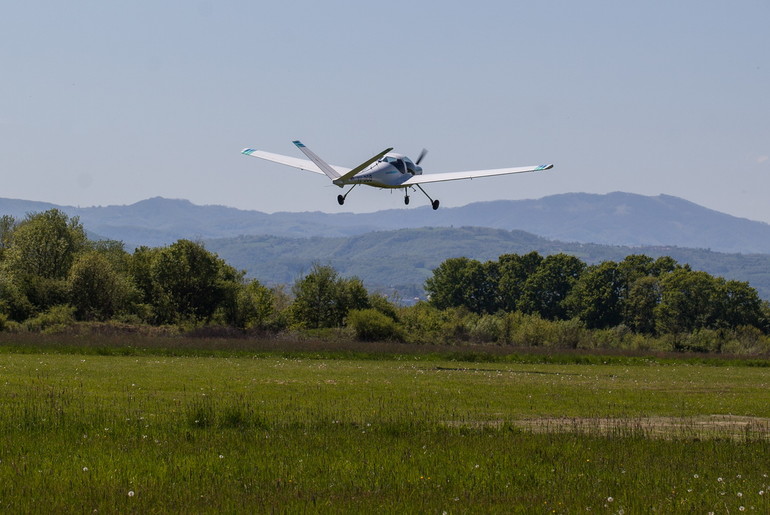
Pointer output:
x,y
422,154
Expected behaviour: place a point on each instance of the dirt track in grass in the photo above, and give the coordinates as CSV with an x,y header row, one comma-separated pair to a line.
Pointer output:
x,y
710,426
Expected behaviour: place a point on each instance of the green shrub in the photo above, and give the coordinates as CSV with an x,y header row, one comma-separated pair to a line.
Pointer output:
x,y
372,325
55,319
486,329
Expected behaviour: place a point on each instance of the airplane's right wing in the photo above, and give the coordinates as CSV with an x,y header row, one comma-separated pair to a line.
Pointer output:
x,y
473,174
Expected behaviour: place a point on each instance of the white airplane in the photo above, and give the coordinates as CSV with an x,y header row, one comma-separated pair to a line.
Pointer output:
x,y
385,170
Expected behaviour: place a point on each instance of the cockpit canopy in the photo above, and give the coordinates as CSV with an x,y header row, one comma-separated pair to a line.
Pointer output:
x,y
402,163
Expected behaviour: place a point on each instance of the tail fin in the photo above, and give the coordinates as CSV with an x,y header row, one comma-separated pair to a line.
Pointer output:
x,y
320,163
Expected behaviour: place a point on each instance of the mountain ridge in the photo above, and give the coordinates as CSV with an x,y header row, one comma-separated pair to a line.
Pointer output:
x,y
612,219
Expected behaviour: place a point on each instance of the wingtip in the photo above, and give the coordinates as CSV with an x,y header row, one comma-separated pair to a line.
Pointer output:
x,y
544,167
248,151
298,143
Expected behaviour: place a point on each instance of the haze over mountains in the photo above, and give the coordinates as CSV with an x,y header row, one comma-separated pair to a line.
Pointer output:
x,y
396,250
611,219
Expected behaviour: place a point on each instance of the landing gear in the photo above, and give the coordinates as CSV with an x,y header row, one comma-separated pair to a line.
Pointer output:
x,y
341,198
433,203
406,199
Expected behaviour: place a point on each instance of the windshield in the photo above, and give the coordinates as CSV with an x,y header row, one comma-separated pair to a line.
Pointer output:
x,y
397,163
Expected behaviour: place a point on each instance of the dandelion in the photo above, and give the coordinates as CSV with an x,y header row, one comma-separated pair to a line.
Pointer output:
x,y
221,456
85,469
131,493
610,499
740,494
696,476
719,479
741,508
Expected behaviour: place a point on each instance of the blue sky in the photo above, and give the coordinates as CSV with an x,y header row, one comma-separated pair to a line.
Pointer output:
x,y
113,102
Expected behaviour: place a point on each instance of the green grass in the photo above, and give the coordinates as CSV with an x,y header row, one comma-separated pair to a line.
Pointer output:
x,y
397,434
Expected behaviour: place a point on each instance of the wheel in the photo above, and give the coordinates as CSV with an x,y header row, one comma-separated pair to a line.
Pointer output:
x,y
406,200
340,199
435,204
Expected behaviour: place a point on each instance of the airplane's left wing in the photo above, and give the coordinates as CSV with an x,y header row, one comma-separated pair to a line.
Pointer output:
x,y
302,164
473,174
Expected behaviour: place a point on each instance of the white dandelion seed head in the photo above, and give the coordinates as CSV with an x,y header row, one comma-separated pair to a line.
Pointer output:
x,y
610,499
85,469
131,493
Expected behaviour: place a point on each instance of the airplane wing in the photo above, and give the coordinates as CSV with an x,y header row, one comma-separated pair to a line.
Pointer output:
x,y
473,174
302,164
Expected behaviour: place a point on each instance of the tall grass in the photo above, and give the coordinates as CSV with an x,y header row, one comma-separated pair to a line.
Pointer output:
x,y
148,434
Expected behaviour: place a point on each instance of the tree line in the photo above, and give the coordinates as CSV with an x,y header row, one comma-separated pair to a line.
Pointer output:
x,y
646,295
52,275
51,272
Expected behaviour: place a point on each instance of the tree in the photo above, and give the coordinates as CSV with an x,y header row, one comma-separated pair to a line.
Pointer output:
x,y
96,289
640,306
45,244
738,304
597,296
39,253
7,225
687,301
513,273
323,299
445,287
545,290
254,306
184,281
463,282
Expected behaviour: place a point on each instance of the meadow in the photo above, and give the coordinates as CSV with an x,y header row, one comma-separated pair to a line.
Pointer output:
x,y
153,432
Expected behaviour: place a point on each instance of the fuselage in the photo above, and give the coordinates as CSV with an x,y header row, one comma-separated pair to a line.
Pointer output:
x,y
389,172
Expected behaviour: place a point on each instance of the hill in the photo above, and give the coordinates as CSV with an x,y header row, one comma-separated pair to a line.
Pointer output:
x,y
612,219
400,261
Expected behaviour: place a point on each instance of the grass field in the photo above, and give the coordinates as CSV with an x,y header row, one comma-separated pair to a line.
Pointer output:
x,y
80,432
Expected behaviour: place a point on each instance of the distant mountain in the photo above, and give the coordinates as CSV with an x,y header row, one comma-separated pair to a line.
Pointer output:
x,y
395,251
612,219
401,260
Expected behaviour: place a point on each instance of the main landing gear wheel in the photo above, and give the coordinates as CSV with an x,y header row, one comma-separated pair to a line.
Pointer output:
x,y
406,199
435,204
340,199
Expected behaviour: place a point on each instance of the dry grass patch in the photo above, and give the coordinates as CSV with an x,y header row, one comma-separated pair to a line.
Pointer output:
x,y
696,427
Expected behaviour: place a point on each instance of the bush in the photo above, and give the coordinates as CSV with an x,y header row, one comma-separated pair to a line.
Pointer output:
x,y
486,329
55,319
372,325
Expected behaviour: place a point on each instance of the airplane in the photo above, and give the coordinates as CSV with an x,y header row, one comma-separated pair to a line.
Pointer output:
x,y
384,170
